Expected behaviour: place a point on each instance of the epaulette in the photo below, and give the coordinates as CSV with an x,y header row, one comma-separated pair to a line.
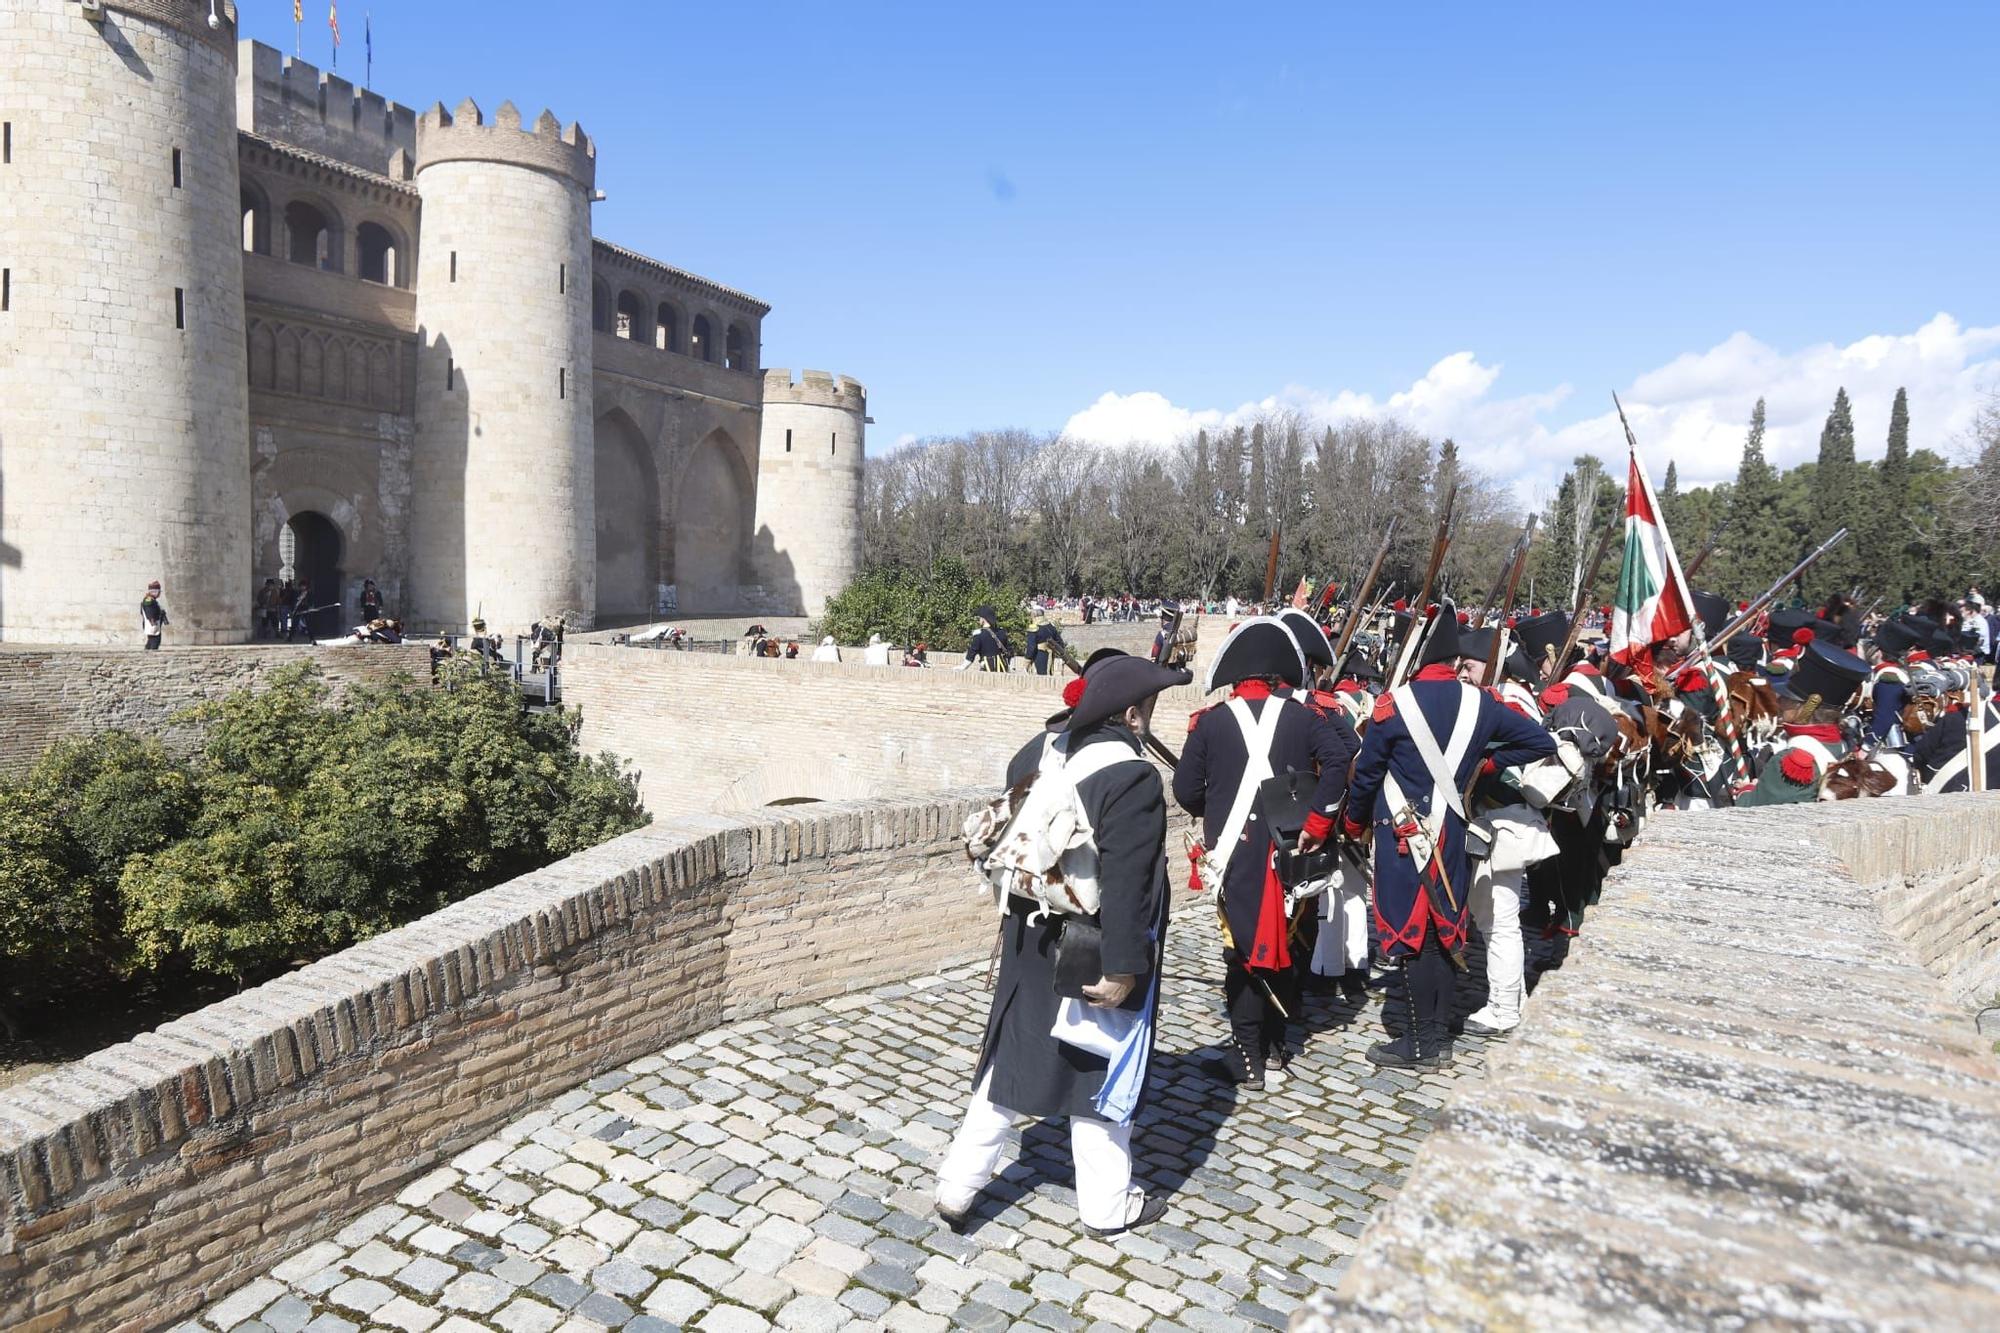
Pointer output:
x,y
1385,708
1196,716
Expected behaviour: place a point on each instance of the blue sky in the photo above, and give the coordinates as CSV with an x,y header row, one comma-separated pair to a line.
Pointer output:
x,y
995,215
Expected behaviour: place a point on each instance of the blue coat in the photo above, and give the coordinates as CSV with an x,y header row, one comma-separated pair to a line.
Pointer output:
x,y
1408,896
1211,769
1887,697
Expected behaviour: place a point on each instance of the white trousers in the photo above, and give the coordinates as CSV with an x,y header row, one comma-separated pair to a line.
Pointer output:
x,y
1105,1196
1496,906
1343,924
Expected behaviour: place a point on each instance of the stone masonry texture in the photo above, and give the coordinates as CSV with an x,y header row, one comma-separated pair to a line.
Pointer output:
x,y
1743,1102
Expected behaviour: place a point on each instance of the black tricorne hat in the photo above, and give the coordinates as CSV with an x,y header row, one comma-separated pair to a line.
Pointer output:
x,y
1259,648
1308,635
1715,612
1100,655
1833,673
1116,684
1899,636
987,614
1357,665
1539,636
1441,641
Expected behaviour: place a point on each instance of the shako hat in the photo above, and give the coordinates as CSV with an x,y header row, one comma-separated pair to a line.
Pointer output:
x,y
1786,624
1116,684
1942,642
1715,613
1441,644
1308,635
1899,636
1259,648
1833,673
1540,636
1745,652
1169,608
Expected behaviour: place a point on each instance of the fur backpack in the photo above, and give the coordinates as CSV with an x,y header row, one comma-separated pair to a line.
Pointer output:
x,y
1034,840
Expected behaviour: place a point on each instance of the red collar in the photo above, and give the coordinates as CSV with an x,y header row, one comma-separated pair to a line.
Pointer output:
x,y
1828,732
1437,671
1251,689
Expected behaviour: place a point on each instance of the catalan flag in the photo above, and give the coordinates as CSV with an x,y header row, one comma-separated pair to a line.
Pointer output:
x,y
333,22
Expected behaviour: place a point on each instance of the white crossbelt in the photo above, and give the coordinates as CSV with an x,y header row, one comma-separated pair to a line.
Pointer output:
x,y
1258,735
1962,761
1442,765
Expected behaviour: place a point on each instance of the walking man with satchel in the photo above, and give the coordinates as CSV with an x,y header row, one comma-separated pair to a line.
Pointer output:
x,y
1070,1030
1258,735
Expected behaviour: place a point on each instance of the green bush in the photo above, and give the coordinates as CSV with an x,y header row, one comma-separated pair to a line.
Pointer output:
x,y
300,828
909,607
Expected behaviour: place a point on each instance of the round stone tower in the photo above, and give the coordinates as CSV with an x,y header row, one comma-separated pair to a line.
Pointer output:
x,y
504,518
124,404
809,486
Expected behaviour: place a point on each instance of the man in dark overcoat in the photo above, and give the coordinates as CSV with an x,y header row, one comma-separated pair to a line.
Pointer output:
x,y
1422,877
1023,1070
1259,662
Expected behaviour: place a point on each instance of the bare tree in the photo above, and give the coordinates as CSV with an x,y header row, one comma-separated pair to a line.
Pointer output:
x,y
1061,481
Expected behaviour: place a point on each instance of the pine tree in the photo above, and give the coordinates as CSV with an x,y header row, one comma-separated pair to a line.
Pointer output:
x,y
1670,502
1755,548
1836,503
1257,490
1887,560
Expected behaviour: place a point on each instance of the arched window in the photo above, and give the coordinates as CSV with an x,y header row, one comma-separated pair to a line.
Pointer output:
x,y
667,329
700,343
600,307
310,237
379,259
256,222
630,317
734,353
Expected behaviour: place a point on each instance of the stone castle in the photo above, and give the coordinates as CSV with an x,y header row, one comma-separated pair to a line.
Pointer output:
x,y
254,319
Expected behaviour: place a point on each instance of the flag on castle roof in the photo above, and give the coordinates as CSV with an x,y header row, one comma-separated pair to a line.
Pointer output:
x,y
1653,604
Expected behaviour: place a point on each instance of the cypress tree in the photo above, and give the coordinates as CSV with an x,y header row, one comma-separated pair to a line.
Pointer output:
x,y
1756,547
1257,490
1888,564
1670,503
1836,503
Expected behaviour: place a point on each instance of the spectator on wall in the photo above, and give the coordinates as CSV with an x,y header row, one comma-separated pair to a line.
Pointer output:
x,y
152,615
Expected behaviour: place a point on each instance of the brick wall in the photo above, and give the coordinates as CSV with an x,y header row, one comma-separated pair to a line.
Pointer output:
x,y
732,733
164,1171
49,693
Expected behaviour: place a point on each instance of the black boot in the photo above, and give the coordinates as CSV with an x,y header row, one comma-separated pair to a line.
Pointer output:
x,y
1399,1015
1354,985
1240,1063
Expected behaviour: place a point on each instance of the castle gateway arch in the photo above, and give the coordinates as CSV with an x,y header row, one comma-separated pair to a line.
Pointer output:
x,y
628,522
712,524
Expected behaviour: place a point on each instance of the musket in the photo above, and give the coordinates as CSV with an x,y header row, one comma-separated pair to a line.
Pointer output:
x,y
1583,593
1708,549
1770,594
1146,737
1271,563
1506,581
1353,621
1418,622
1496,654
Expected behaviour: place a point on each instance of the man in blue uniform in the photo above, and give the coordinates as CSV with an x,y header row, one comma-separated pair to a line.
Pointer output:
x,y
1257,734
1426,741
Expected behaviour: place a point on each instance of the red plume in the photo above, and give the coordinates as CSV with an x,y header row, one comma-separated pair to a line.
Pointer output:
x,y
1802,637
1511,622
1797,766
1743,606
1431,610
1465,617
1555,694
1400,605
1073,693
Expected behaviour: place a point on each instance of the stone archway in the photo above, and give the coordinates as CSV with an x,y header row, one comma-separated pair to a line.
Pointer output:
x,y
312,549
628,524
796,780
711,527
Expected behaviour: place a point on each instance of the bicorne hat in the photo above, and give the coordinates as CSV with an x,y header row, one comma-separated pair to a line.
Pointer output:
x,y
1260,648
1441,643
1116,684
1715,613
1833,673
1308,635
1540,636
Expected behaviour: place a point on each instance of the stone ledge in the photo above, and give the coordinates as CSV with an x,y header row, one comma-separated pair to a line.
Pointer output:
x,y
1741,1101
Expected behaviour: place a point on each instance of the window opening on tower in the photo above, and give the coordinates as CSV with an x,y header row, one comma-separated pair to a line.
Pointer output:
x,y
788,441
833,443
180,307
6,143
177,168
379,262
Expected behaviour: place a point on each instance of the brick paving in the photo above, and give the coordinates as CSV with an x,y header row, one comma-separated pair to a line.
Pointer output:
x,y
777,1173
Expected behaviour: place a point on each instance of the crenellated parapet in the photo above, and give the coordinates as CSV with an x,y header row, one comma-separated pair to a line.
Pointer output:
x,y
190,16
465,135
815,388
288,100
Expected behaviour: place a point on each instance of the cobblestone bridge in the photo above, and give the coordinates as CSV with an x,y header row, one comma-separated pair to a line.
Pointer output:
x,y
776,1173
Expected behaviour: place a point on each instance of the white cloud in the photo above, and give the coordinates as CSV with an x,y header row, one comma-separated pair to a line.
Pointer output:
x,y
1693,410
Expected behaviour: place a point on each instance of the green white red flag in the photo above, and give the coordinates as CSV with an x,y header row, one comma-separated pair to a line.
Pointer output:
x,y
1653,604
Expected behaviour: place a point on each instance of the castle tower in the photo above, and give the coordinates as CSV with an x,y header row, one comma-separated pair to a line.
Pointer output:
x,y
503,516
809,485
124,406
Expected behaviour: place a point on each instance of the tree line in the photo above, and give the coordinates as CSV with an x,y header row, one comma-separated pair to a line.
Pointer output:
x,y
1063,517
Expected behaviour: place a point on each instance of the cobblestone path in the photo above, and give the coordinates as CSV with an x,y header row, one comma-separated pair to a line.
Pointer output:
x,y
777,1172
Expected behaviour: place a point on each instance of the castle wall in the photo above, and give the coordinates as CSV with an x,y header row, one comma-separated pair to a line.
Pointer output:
x,y
289,100
123,405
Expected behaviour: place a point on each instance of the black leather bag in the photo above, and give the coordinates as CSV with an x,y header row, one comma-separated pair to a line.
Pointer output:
x,y
1079,957
1286,802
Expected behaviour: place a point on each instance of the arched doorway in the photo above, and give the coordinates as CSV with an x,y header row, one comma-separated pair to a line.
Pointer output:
x,y
310,547
628,507
710,527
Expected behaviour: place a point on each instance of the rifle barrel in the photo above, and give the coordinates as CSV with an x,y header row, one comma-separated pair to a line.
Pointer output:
x,y
1770,595
1352,622
1583,593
